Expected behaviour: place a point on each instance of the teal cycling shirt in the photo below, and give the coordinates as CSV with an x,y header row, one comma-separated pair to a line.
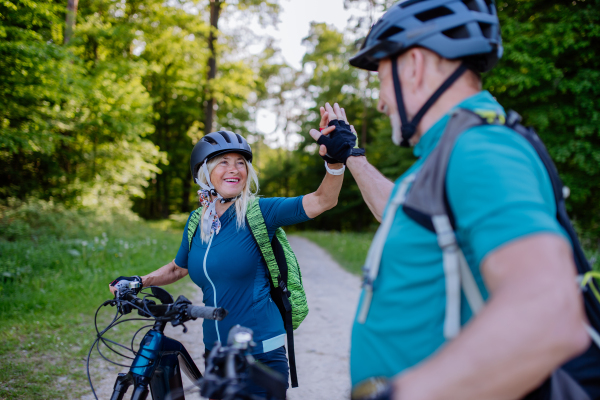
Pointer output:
x,y
499,191
233,274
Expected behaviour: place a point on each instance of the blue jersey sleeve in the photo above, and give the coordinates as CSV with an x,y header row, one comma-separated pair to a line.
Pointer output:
x,y
282,211
498,190
181,260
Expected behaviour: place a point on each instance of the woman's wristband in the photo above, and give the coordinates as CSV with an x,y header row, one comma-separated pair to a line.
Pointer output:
x,y
335,171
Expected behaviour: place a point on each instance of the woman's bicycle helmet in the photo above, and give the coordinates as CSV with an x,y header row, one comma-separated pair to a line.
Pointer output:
x,y
217,143
466,30
454,29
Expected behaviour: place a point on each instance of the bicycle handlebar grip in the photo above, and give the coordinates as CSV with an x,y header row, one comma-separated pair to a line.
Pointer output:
x,y
213,313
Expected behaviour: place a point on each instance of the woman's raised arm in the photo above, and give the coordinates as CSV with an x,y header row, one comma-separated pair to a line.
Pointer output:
x,y
326,196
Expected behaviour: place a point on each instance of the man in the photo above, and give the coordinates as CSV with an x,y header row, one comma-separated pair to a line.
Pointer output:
x,y
428,54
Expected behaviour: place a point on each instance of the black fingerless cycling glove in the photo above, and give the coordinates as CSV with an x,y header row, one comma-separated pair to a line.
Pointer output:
x,y
340,143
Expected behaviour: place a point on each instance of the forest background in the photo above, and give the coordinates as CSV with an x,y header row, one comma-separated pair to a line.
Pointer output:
x,y
101,104
102,101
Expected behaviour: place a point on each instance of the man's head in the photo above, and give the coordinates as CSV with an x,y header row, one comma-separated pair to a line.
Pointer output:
x,y
420,72
464,34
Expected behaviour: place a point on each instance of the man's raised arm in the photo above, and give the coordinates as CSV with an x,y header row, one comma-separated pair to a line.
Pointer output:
x,y
374,187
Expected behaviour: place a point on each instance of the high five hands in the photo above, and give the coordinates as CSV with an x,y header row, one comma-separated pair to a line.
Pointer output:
x,y
337,138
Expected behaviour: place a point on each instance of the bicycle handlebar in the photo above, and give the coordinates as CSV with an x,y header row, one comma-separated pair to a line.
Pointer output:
x,y
193,312
214,313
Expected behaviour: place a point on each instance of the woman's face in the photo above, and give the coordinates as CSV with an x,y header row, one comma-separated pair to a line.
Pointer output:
x,y
229,175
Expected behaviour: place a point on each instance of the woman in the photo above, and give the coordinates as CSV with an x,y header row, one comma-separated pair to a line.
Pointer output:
x,y
224,260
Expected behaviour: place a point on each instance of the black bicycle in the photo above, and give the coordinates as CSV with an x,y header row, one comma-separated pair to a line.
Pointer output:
x,y
156,366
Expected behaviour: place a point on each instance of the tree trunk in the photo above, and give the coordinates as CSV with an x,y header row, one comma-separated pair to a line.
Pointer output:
x,y
70,22
209,111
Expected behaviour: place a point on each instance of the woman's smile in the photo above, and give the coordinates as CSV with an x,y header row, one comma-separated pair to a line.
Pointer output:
x,y
229,175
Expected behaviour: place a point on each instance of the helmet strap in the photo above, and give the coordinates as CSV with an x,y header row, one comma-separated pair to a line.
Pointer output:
x,y
229,199
409,128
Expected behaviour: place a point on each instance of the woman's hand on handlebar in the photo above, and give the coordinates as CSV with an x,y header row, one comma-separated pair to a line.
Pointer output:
x,y
113,286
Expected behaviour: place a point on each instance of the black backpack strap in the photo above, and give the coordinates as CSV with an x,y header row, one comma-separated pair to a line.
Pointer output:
x,y
560,192
279,294
585,368
286,310
427,199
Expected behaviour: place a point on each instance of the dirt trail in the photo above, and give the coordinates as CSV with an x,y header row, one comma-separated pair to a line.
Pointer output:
x,y
322,341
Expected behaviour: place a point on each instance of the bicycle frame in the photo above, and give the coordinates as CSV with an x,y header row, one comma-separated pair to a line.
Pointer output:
x,y
157,365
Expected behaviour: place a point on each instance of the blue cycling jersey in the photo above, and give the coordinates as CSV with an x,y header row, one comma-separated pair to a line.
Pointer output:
x,y
232,274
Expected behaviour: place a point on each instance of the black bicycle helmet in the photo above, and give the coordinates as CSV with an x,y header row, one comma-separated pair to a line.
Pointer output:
x,y
454,29
215,144
466,30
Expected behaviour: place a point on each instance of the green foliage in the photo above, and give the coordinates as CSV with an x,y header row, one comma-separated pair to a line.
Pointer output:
x,y
74,121
114,114
54,273
176,52
333,80
550,74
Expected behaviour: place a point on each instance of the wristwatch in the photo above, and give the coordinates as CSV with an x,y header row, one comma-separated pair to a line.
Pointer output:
x,y
378,388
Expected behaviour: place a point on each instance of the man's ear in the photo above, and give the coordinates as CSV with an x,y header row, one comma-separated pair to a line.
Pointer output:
x,y
418,61
412,70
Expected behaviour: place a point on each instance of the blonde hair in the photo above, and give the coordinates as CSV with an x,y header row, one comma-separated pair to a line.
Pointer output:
x,y
249,193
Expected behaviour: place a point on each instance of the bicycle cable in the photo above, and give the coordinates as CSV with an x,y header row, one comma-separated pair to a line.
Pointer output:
x,y
99,337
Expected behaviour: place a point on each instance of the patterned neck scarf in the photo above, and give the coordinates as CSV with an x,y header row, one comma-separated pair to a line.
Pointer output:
x,y
210,222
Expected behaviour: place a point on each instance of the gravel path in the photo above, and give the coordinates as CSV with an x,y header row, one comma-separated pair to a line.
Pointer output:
x,y
322,341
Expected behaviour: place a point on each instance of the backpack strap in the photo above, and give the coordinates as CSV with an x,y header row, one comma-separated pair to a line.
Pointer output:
x,y
427,204
256,221
193,223
427,196
591,303
274,256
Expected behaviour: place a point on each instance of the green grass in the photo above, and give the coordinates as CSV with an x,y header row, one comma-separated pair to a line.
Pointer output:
x,y
348,249
51,283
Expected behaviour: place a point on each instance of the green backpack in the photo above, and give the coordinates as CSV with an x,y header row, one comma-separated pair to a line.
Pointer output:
x,y
286,280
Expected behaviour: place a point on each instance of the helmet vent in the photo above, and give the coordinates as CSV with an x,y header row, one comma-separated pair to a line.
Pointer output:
x,y
486,30
239,138
471,5
433,14
225,136
209,140
390,32
460,32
